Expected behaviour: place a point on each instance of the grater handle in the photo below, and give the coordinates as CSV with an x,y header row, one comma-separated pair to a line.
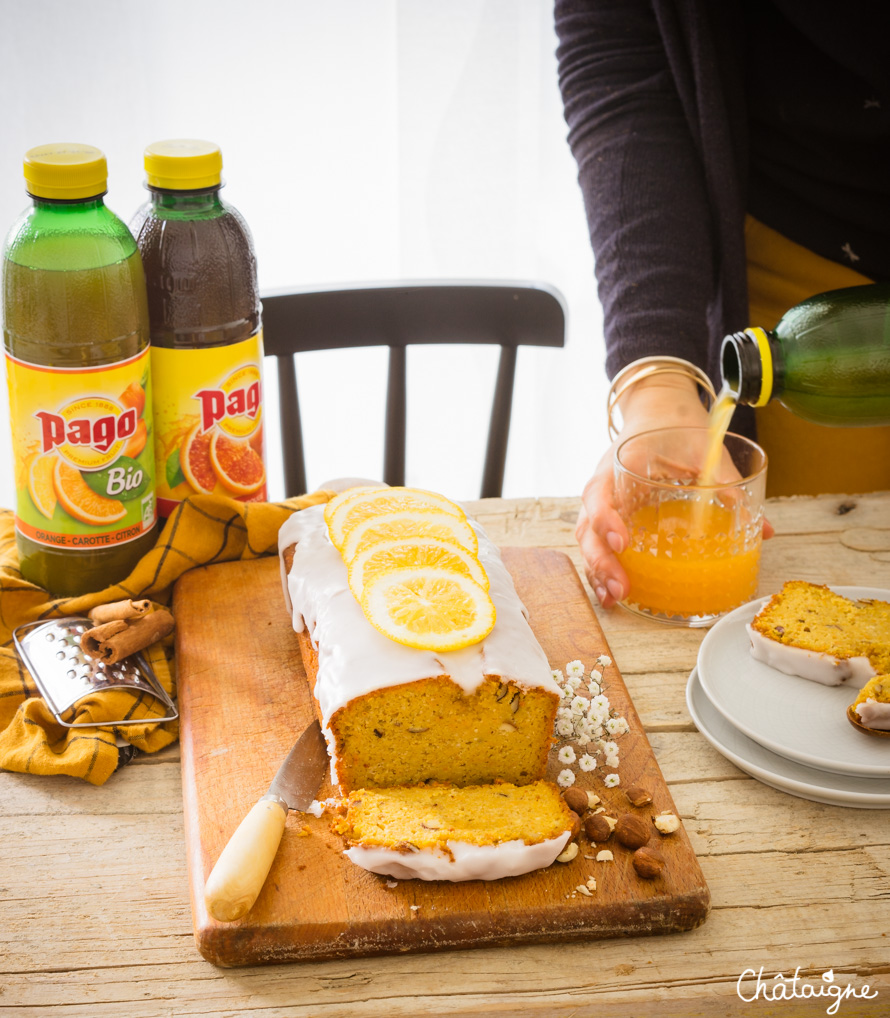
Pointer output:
x,y
241,870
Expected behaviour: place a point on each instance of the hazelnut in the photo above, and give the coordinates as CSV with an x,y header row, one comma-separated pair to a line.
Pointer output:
x,y
667,823
576,824
648,862
637,796
576,800
632,831
592,800
568,853
598,828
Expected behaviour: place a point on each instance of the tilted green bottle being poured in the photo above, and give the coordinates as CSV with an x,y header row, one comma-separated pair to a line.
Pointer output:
x,y
827,360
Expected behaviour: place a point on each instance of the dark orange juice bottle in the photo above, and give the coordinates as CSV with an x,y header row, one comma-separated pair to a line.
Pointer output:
x,y
75,331
206,335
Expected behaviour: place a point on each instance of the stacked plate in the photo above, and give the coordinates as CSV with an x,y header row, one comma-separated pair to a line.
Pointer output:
x,y
787,732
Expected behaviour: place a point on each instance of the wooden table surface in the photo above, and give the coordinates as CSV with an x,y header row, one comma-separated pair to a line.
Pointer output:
x,y
95,917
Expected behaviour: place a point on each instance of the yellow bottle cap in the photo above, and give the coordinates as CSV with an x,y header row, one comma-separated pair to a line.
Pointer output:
x,y
183,164
66,171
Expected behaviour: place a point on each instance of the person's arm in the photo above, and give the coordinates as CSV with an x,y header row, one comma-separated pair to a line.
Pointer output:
x,y
650,228
641,178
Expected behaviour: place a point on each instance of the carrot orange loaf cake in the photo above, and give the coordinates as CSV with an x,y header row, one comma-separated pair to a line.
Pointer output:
x,y
439,832
811,631
872,706
398,715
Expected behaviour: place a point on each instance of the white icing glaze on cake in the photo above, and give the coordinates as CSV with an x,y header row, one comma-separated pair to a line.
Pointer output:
x,y
874,714
355,659
469,862
809,664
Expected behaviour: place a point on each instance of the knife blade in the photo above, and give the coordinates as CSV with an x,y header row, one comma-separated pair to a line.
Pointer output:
x,y
237,878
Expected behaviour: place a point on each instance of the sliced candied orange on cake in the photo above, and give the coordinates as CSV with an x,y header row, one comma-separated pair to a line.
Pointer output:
x,y
407,524
430,609
414,552
364,505
344,496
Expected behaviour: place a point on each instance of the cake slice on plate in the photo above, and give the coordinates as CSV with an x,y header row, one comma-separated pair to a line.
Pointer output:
x,y
872,707
809,630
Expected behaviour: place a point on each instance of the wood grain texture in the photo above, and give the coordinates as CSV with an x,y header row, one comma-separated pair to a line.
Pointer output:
x,y
244,699
94,892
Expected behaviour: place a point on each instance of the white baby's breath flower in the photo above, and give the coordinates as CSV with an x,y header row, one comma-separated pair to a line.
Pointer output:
x,y
557,676
596,717
596,676
565,728
566,778
579,704
566,755
572,682
600,701
610,780
610,748
604,660
612,760
613,726
564,712
624,726
575,669
587,762
582,739
567,692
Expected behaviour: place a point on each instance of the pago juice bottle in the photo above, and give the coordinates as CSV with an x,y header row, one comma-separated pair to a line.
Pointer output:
x,y
75,329
206,334
827,360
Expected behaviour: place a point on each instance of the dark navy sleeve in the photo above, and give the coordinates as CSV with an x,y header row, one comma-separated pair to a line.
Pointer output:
x,y
642,180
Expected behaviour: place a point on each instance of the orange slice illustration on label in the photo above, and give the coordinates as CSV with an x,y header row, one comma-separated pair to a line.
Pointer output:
x,y
136,443
79,500
237,465
134,396
40,484
194,458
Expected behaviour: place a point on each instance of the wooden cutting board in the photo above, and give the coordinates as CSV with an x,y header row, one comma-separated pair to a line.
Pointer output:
x,y
244,699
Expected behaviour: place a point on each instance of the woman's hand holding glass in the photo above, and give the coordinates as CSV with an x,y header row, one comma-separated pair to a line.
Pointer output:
x,y
658,402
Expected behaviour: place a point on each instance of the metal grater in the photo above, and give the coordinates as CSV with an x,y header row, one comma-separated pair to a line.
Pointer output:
x,y
65,675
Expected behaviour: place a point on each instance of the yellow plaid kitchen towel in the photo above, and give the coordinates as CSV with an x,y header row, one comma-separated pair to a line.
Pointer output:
x,y
203,530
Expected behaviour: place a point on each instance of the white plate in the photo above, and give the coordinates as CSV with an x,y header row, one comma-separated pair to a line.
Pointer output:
x,y
794,717
777,771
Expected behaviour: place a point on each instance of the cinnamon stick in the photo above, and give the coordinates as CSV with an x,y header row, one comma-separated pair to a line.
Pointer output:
x,y
126,609
98,634
136,635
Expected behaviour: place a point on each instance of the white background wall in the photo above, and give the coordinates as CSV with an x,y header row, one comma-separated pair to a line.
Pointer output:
x,y
363,140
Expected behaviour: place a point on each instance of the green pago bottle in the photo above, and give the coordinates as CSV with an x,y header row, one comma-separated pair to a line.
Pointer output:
x,y
827,360
77,356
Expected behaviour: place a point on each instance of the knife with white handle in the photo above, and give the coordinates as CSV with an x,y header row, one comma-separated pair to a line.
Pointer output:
x,y
241,870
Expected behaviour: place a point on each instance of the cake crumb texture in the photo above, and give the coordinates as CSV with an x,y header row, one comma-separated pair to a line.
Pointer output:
x,y
432,729
423,817
815,618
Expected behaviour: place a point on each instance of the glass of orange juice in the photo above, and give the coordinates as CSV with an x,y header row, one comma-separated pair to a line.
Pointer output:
x,y
694,548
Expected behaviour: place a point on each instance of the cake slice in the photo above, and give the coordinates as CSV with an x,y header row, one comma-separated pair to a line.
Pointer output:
x,y
441,832
872,706
809,630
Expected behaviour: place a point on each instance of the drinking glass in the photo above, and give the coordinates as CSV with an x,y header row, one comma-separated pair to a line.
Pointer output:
x,y
694,549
